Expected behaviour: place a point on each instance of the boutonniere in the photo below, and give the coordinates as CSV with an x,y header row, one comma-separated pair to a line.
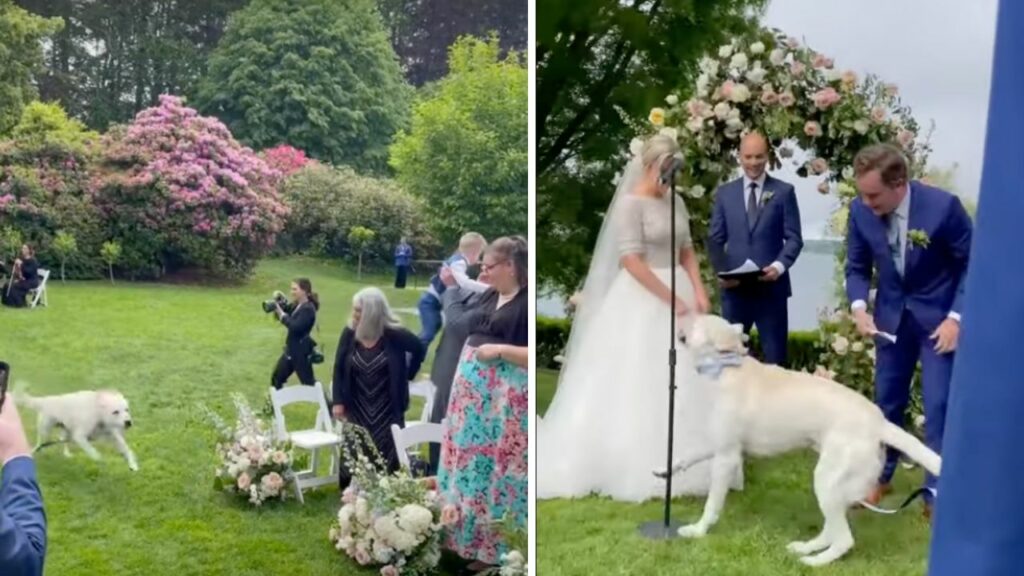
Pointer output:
x,y
918,238
768,194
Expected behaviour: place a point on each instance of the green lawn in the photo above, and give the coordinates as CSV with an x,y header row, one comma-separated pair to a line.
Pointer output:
x,y
167,348
598,536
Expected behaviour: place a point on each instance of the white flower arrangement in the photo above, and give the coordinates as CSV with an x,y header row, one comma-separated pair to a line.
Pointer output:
x,y
253,464
389,521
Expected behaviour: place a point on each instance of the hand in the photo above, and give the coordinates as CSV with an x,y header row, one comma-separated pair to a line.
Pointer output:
x,y
769,274
447,278
681,307
12,435
703,302
946,336
17,261
728,284
488,352
865,323
338,411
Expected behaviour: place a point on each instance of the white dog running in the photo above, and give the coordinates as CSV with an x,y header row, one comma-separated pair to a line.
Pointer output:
x,y
766,410
83,416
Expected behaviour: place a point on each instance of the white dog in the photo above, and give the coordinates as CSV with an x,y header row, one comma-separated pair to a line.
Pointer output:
x,y
83,416
766,410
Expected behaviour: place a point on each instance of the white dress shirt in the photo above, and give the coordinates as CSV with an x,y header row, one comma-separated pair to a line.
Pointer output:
x,y
759,194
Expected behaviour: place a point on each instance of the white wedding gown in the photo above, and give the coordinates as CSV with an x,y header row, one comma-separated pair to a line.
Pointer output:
x,y
605,431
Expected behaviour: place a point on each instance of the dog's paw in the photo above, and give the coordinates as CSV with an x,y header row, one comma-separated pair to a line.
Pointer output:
x,y
805,548
693,531
133,466
817,560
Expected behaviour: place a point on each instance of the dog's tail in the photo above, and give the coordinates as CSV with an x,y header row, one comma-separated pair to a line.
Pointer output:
x,y
22,397
907,443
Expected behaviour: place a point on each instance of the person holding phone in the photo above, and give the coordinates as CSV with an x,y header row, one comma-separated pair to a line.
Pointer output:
x,y
22,517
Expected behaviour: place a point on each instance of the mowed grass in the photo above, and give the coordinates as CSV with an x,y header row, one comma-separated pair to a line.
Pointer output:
x,y
598,536
167,348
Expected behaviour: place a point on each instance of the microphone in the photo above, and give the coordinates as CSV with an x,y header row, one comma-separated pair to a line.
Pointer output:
x,y
668,169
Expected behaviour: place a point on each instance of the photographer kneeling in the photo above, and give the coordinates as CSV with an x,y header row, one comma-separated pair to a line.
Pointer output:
x,y
300,317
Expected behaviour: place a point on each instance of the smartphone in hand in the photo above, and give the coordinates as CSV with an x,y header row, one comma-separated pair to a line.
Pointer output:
x,y
5,373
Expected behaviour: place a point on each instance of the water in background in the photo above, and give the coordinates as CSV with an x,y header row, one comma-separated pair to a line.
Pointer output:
x,y
813,289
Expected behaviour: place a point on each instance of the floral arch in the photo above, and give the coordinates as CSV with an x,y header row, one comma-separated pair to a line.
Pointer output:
x,y
797,98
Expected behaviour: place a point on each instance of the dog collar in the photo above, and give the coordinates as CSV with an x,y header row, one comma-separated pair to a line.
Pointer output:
x,y
713,364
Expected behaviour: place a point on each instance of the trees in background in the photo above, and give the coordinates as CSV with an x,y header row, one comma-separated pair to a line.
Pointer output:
x,y
466,153
21,55
320,75
600,62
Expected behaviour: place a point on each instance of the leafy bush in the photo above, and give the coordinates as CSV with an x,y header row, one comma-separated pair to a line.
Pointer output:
x,y
285,159
178,191
326,203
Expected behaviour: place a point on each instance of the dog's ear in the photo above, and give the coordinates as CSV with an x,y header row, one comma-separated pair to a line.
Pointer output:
x,y
738,328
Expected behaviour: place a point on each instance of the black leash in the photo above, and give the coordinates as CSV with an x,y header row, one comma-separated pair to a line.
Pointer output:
x,y
913,496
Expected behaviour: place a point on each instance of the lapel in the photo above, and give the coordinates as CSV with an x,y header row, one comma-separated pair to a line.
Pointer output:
x,y
878,232
911,252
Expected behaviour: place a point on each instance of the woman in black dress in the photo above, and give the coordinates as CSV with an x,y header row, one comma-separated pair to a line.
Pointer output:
x,y
25,278
300,317
375,362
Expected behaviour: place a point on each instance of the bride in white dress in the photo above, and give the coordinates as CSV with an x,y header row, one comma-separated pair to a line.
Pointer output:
x,y
605,431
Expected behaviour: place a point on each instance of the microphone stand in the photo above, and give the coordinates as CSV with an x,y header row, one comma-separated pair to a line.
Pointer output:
x,y
666,529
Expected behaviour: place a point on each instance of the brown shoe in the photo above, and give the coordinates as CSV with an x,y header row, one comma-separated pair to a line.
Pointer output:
x,y
927,512
877,493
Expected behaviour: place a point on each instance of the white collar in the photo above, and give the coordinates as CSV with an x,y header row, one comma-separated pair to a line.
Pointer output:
x,y
903,210
760,181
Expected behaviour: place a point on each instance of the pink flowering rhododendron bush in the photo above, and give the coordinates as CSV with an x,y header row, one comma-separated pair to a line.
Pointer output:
x,y
285,159
178,191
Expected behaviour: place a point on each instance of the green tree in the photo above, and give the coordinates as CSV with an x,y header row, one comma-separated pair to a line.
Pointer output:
x,y
359,238
598,61
10,244
466,154
45,124
21,55
945,178
111,254
64,245
319,75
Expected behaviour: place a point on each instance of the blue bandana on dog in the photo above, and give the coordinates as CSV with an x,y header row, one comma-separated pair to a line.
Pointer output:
x,y
712,365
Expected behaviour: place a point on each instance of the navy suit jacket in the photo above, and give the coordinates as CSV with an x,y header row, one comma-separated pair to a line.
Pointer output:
x,y
22,520
932,285
776,235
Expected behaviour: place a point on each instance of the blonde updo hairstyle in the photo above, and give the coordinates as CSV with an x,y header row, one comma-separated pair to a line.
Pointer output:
x,y
657,148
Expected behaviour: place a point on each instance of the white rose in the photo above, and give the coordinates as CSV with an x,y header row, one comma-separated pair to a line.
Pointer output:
x,y
739,62
670,132
722,110
756,74
740,93
777,57
733,121
861,126
757,48
840,344
831,74
636,146
696,192
672,99
362,510
709,66
725,51
857,347
848,172
514,559
694,124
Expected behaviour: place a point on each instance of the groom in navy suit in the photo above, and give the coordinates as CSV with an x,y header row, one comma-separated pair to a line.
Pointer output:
x,y
22,519
756,217
917,238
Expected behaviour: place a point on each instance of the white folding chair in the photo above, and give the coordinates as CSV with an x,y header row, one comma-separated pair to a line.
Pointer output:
x,y
39,294
322,435
415,434
424,389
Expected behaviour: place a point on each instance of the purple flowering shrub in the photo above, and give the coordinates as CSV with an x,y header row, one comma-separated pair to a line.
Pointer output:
x,y
285,159
178,191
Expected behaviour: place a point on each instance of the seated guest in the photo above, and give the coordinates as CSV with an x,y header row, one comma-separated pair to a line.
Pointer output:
x,y
483,472
22,518
461,310
24,278
375,361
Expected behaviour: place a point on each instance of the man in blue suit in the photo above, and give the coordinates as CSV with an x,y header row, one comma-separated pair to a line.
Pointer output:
x,y
756,218
22,520
918,239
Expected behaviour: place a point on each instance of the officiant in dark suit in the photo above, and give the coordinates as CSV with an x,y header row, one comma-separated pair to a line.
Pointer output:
x,y
756,218
916,240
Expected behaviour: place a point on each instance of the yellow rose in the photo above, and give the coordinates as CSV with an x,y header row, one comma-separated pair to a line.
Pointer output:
x,y
657,117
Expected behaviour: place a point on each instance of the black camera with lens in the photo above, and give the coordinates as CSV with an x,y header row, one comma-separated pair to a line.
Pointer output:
x,y
278,299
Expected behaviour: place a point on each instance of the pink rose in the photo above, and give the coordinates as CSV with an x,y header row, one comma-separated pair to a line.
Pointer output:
x,y
389,570
786,99
891,90
819,166
792,43
812,129
878,114
825,98
823,187
849,79
348,496
449,515
797,68
768,97
726,89
363,557
905,138
819,61
244,481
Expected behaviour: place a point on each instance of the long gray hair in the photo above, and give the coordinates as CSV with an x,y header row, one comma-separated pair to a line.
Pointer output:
x,y
375,314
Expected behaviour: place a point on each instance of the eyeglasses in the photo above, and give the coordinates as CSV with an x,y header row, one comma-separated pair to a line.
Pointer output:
x,y
485,267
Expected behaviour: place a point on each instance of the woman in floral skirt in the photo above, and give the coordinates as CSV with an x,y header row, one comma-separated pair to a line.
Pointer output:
x,y
483,472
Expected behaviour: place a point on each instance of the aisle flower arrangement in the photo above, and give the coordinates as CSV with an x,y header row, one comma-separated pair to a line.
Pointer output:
x,y
253,464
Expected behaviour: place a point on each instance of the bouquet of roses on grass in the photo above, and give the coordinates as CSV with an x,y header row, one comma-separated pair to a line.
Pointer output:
x,y
253,463
392,521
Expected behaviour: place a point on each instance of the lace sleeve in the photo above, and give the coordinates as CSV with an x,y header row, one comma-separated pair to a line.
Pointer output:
x,y
629,227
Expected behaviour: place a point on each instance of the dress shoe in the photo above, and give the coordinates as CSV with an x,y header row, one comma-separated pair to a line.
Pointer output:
x,y
877,493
